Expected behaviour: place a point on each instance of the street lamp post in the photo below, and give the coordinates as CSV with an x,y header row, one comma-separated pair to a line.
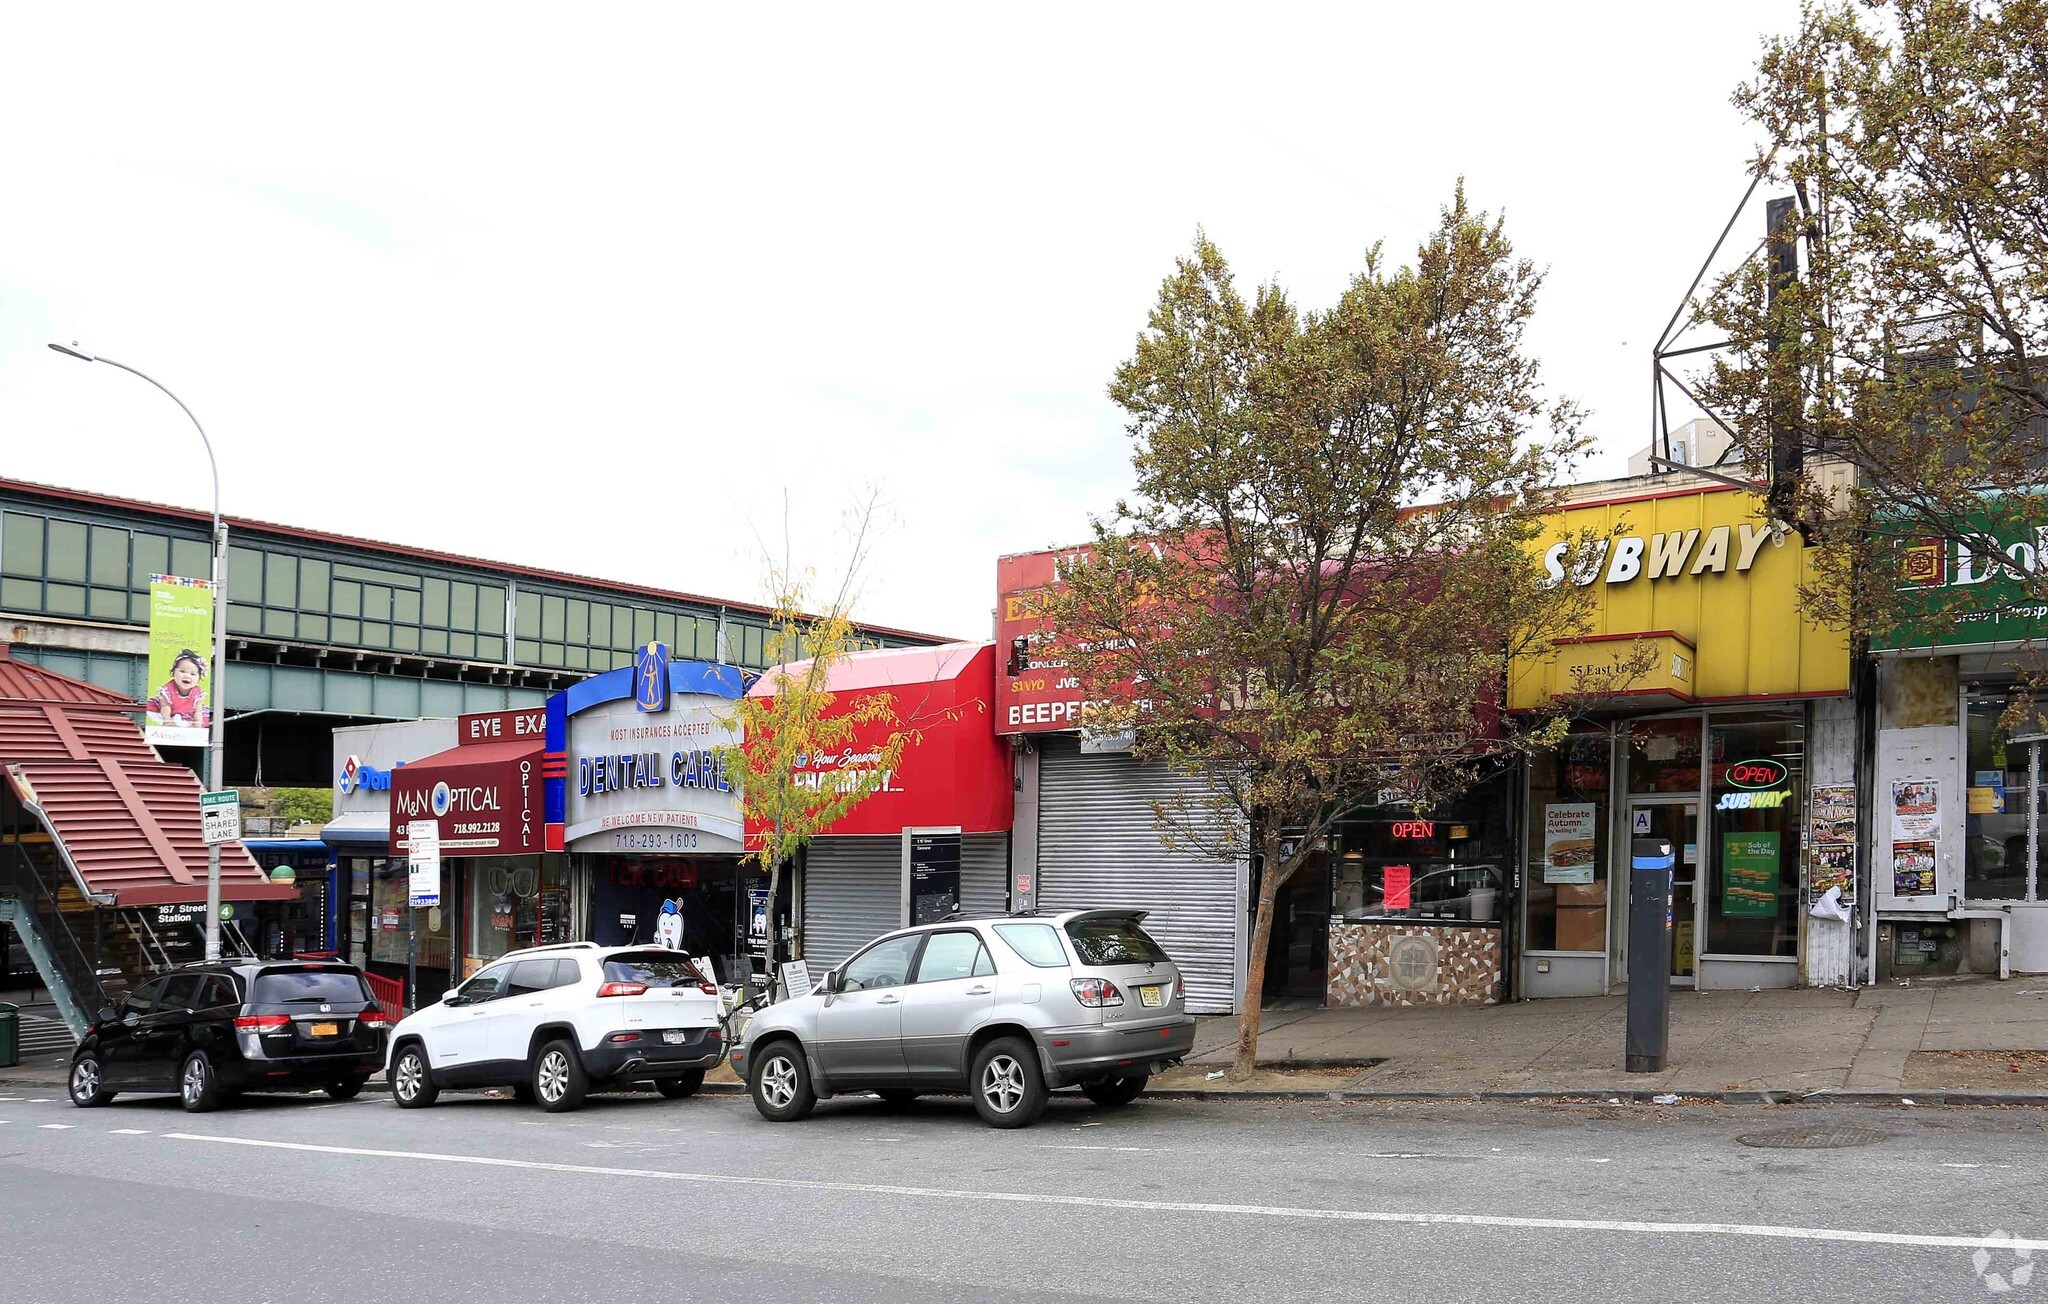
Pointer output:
x,y
217,716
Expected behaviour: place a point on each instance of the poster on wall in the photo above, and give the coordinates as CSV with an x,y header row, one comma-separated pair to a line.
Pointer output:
x,y
180,706
1400,880
1749,875
1831,865
1834,814
1913,869
1568,829
1916,810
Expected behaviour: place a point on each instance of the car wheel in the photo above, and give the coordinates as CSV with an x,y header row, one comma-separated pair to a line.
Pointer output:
x,y
348,1089
559,1082
1116,1091
88,1085
1009,1090
896,1097
677,1088
781,1085
198,1087
412,1083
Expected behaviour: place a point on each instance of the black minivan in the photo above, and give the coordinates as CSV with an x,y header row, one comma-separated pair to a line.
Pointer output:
x,y
211,1031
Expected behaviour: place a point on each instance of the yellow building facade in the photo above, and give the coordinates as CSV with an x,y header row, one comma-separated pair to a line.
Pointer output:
x,y
1701,577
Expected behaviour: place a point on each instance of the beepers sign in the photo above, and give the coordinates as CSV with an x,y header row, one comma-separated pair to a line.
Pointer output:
x,y
1030,697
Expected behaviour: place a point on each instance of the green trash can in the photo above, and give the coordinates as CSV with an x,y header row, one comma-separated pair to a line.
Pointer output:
x,y
10,1035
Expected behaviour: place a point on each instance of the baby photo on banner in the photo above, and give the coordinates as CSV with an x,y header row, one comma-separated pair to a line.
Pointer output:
x,y
180,706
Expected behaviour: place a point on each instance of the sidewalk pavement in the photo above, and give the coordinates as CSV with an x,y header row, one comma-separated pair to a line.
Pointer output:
x,y
1960,1039
1962,1035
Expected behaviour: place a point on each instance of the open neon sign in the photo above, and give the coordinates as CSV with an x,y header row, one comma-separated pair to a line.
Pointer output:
x,y
1422,829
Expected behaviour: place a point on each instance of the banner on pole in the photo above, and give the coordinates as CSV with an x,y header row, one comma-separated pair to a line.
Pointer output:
x,y
180,706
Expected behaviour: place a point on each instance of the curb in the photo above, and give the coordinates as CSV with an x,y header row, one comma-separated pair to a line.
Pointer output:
x,y
1582,1096
1631,1096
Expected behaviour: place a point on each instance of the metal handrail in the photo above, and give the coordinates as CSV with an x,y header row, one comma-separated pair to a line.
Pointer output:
x,y
62,944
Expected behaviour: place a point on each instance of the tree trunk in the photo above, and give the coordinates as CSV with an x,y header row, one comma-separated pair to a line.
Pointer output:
x,y
1270,879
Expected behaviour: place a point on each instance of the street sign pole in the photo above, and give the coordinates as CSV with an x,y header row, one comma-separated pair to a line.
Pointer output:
x,y
412,971
1649,954
422,888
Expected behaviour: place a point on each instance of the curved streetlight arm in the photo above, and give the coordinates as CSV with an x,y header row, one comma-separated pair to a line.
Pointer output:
x,y
212,465
216,740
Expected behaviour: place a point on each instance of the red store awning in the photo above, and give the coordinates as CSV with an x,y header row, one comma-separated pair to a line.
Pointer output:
x,y
485,798
954,773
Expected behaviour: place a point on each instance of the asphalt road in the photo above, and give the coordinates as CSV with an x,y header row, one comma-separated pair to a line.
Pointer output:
x,y
638,1198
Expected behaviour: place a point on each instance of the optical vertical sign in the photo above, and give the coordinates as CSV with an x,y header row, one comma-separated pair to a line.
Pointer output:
x,y
423,863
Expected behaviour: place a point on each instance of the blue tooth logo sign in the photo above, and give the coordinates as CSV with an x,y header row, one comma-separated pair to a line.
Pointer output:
x,y
650,677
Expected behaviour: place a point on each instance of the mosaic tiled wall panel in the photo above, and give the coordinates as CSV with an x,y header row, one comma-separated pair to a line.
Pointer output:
x,y
1413,964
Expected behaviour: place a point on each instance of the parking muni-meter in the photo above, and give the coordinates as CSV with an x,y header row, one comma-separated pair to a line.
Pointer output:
x,y
1649,953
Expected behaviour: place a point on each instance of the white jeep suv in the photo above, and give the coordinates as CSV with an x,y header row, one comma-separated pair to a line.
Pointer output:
x,y
552,1021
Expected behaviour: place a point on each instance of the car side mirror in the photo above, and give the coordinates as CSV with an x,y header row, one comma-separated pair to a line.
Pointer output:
x,y
829,984
106,1014
453,996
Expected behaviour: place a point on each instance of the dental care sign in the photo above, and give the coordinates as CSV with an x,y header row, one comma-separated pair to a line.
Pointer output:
x,y
652,781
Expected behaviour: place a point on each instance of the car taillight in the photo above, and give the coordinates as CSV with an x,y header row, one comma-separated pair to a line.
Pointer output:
x,y
623,989
1096,992
709,989
262,1022
374,1019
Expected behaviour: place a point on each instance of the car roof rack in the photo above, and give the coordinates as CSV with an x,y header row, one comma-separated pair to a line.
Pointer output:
x,y
555,946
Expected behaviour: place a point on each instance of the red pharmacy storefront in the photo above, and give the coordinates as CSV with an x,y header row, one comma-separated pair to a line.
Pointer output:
x,y
935,837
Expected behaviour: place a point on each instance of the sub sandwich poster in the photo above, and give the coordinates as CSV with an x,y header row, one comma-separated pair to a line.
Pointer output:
x,y
1568,829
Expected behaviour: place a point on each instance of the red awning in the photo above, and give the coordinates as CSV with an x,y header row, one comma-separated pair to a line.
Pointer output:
x,y
954,771
130,829
486,798
124,821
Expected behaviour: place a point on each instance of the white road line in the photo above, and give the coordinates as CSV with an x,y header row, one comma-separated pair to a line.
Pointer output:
x,y
56,1127
1129,1150
1835,1234
126,1131
39,1100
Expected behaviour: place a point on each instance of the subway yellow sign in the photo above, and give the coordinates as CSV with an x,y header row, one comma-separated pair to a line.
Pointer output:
x,y
1701,577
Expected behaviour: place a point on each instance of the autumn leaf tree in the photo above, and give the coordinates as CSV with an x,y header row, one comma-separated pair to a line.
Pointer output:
x,y
1904,329
794,715
1312,600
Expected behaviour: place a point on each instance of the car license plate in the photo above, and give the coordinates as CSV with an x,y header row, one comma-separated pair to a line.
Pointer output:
x,y
675,1036
326,1030
1151,997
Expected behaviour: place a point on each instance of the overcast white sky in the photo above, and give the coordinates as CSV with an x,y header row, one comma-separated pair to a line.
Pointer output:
x,y
592,287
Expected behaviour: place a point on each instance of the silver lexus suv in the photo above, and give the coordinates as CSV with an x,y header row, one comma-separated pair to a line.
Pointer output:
x,y
1006,1008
